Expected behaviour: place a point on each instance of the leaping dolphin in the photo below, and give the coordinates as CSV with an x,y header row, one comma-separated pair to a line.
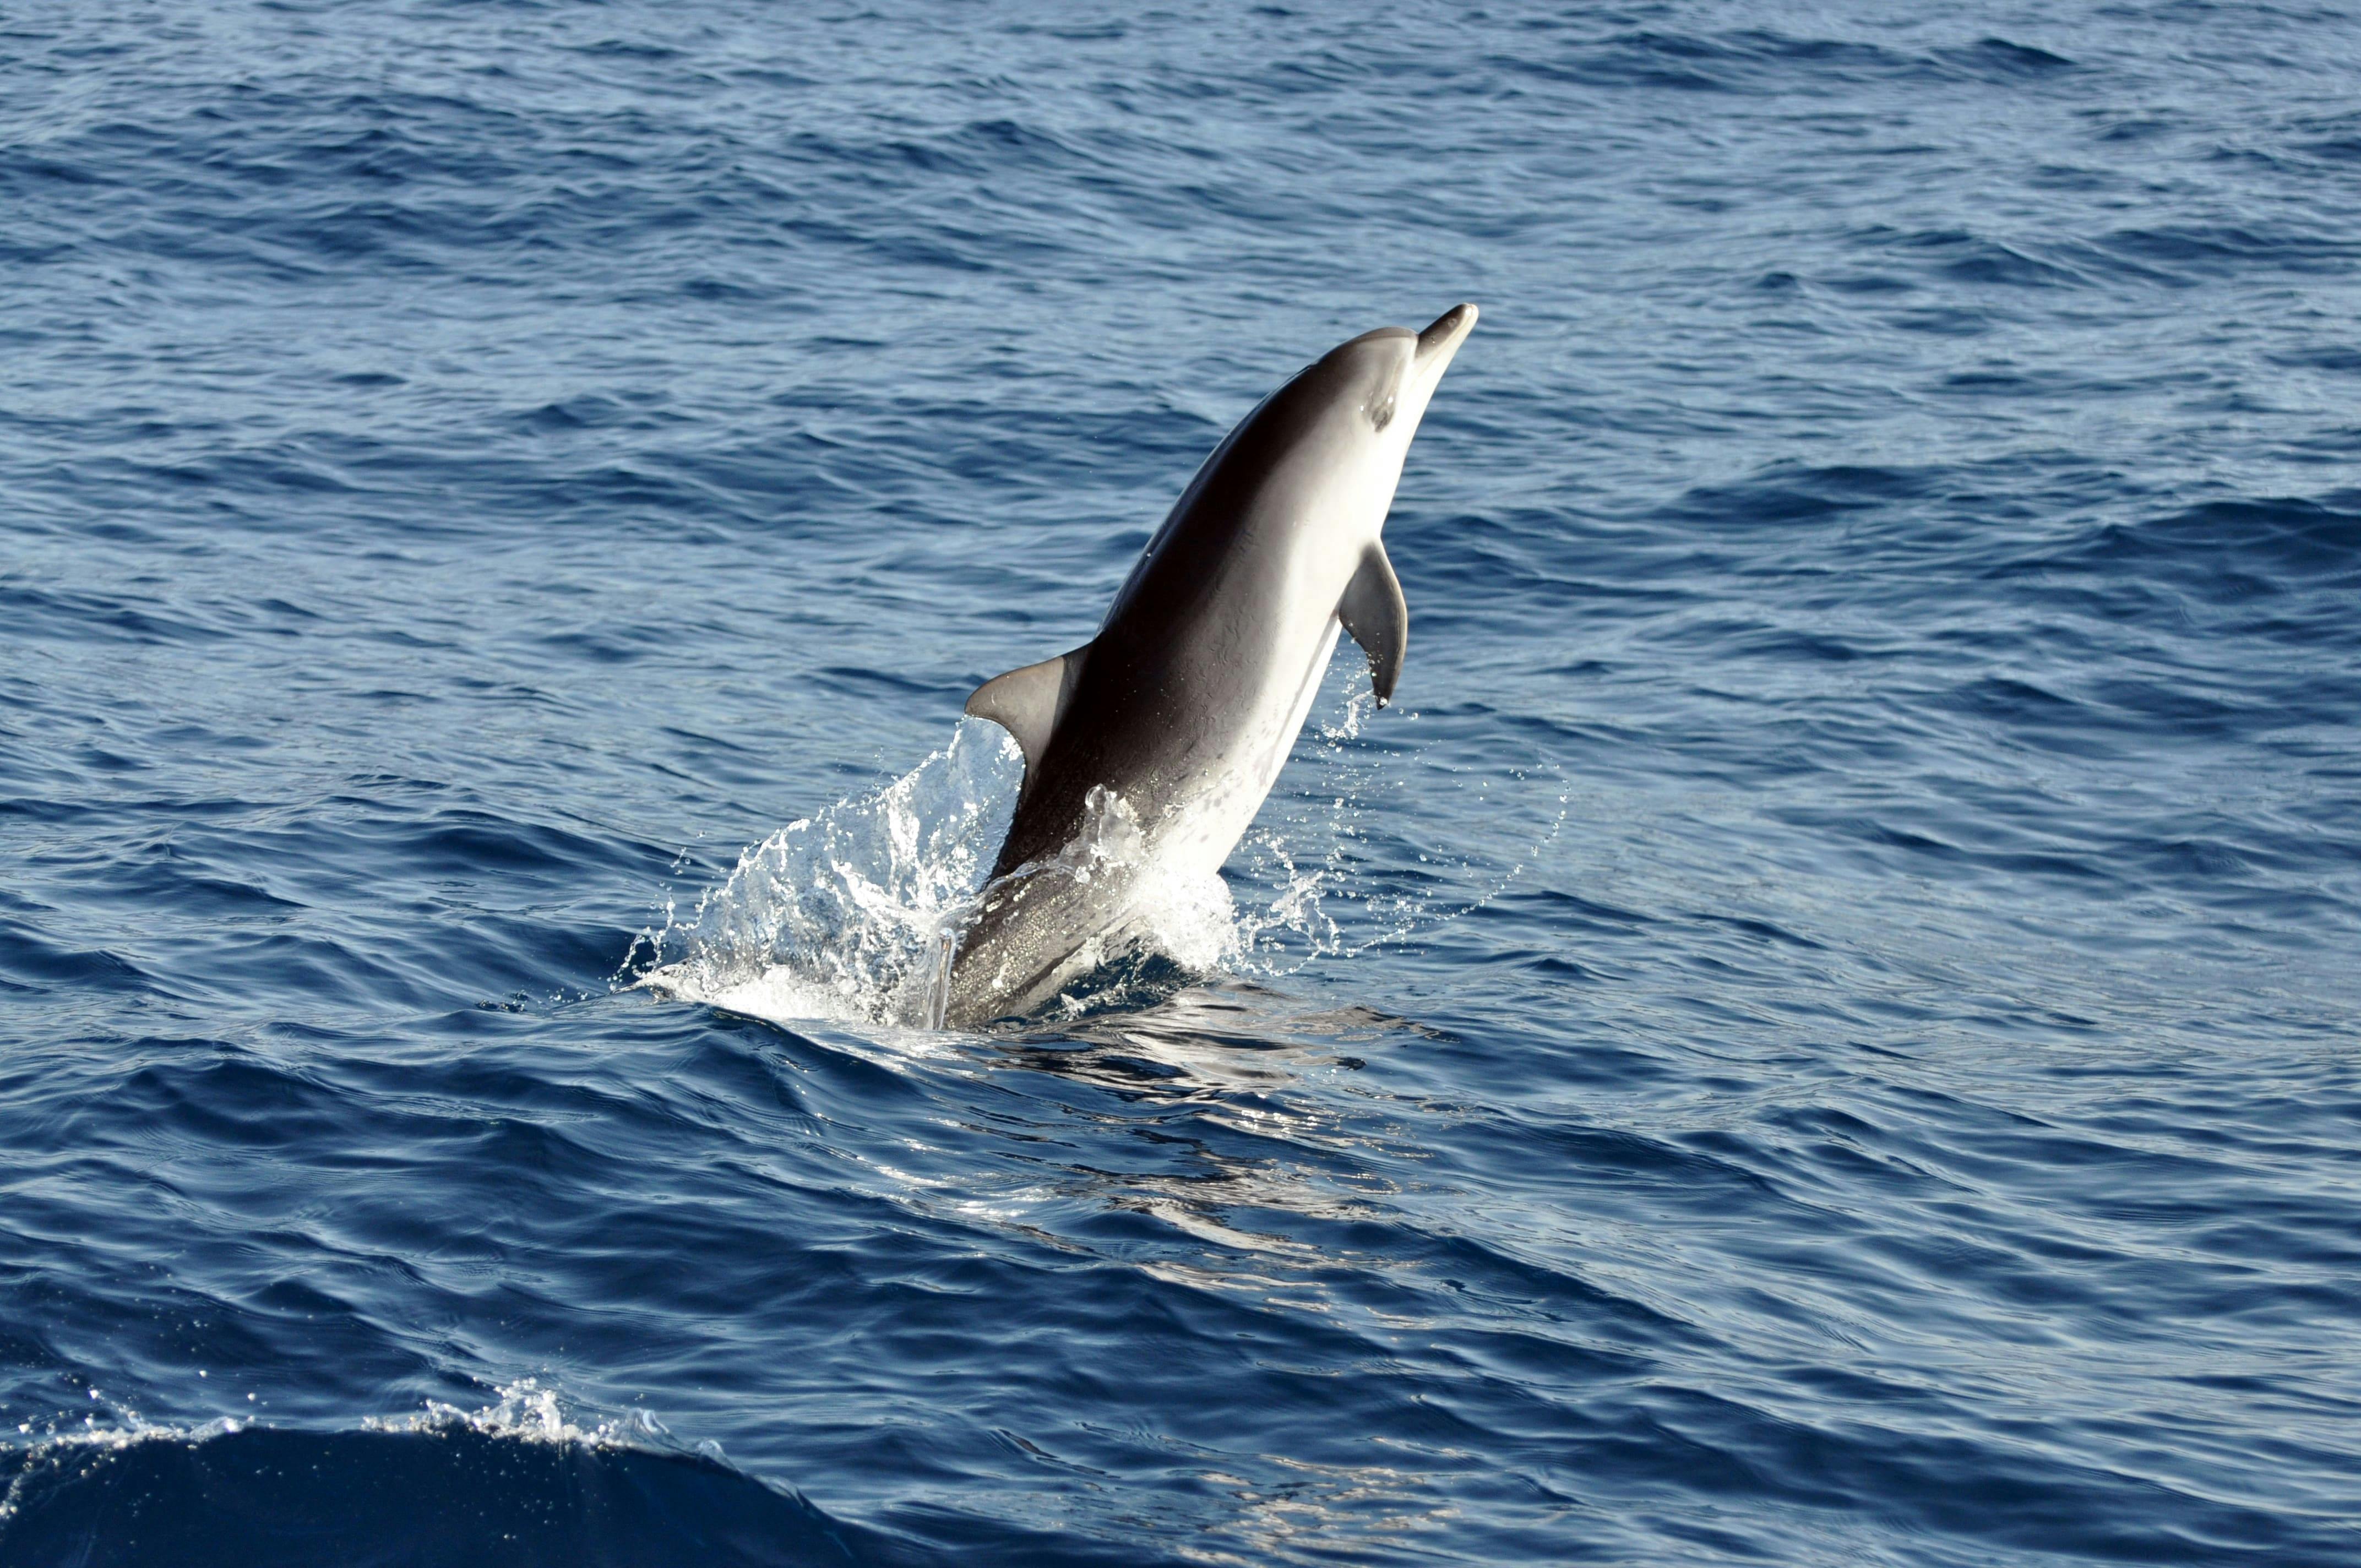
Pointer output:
x,y
1170,727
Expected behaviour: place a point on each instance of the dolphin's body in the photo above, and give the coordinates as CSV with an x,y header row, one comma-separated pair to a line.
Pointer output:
x,y
1165,731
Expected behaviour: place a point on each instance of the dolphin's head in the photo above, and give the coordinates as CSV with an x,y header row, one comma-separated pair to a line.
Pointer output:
x,y
1344,426
1324,451
1386,377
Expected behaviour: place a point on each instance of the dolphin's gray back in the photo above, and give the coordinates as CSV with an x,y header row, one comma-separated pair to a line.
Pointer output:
x,y
1181,656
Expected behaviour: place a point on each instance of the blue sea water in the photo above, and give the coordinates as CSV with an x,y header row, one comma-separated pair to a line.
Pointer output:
x,y
1824,1028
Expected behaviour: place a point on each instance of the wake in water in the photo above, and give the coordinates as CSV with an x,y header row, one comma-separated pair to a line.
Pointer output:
x,y
852,915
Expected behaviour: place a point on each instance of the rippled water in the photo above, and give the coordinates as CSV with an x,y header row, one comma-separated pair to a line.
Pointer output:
x,y
1820,1027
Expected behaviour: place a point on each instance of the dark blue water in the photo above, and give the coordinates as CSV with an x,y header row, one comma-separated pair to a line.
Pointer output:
x,y
1820,1029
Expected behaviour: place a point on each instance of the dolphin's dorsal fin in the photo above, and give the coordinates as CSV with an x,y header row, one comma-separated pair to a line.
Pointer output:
x,y
1026,702
1373,611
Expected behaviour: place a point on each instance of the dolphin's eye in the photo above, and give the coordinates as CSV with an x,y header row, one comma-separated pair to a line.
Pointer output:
x,y
1381,412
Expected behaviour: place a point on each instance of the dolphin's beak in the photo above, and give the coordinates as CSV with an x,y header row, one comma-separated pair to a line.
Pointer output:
x,y
1428,361
1438,343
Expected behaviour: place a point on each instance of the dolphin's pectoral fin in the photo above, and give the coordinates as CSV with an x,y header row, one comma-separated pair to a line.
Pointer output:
x,y
1373,611
1026,702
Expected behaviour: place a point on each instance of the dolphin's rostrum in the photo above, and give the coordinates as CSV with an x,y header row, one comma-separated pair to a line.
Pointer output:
x,y
1170,727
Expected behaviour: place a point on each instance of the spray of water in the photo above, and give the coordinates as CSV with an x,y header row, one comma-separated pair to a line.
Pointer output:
x,y
852,915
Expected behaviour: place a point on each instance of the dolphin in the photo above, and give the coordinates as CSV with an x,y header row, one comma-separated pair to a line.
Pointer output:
x,y
1149,748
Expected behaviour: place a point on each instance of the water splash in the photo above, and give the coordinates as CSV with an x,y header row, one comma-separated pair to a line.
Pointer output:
x,y
1060,932
852,915
1312,879
528,1411
1307,855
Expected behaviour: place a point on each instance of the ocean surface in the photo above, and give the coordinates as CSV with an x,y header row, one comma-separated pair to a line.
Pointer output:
x,y
1822,1028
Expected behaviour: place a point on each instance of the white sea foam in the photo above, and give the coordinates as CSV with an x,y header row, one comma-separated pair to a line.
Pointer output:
x,y
531,1413
525,1410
